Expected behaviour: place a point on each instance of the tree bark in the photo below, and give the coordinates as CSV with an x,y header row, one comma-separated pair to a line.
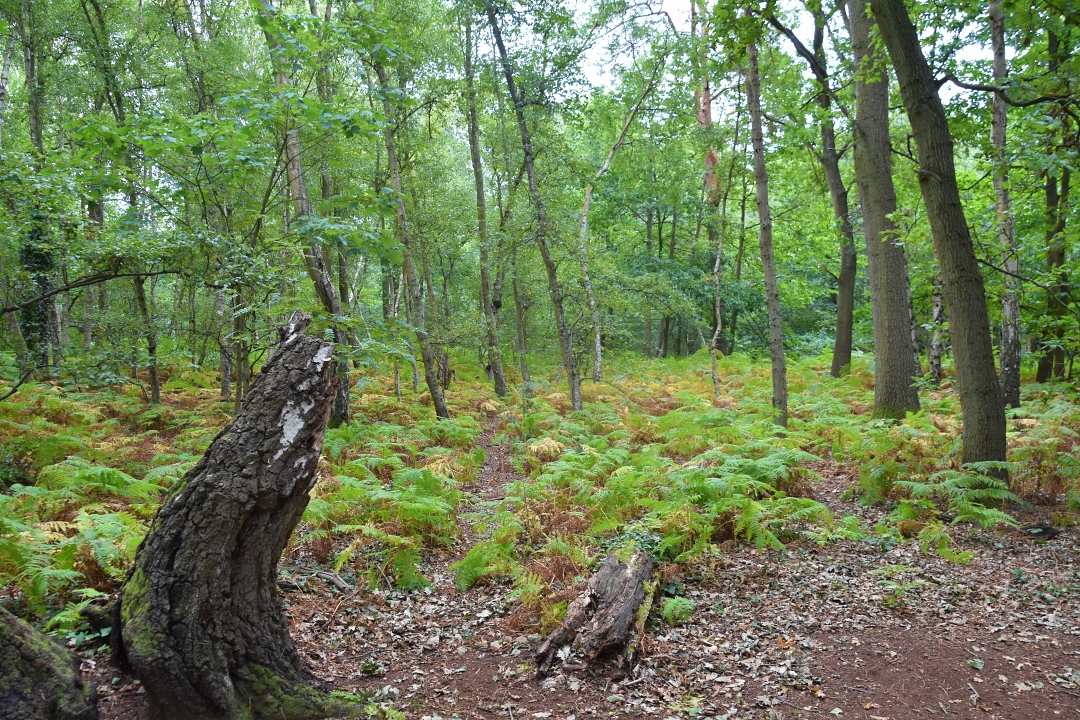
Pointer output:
x,y
416,307
937,343
605,617
965,299
565,339
1010,301
765,242
150,333
225,344
39,677
895,393
200,617
5,74
491,317
648,347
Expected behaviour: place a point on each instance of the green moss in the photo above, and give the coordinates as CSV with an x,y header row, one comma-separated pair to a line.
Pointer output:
x,y
139,637
265,694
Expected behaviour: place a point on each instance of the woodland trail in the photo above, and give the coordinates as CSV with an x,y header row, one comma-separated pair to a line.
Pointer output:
x,y
846,630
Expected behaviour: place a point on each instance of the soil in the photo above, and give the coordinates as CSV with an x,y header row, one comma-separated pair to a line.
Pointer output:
x,y
848,630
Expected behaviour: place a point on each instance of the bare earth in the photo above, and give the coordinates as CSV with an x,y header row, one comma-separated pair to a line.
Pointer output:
x,y
812,632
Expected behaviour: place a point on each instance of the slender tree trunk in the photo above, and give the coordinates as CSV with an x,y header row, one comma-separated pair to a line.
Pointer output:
x,y
150,333
1010,302
717,344
648,348
5,75
314,258
969,325
490,315
88,320
765,242
521,306
416,296
565,339
937,344
895,393
224,344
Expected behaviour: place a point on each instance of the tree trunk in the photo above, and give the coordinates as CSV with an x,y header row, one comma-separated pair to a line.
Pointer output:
x,y
895,393
765,242
1010,301
937,344
491,318
648,348
314,260
521,306
151,339
969,325
416,307
201,620
225,351
5,74
565,339
39,677
605,617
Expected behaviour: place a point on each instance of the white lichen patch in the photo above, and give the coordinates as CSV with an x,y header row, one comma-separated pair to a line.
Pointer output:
x,y
326,352
292,422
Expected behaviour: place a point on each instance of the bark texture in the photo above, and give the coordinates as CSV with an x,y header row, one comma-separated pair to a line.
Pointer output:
x,y
39,677
603,619
965,298
894,352
201,620
1010,301
765,243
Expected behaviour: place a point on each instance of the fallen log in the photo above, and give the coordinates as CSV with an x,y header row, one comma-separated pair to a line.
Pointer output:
x,y
39,677
603,619
201,618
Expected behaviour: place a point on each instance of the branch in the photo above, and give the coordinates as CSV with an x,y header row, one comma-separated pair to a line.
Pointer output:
x,y
15,388
816,67
630,117
1054,293
1000,92
82,282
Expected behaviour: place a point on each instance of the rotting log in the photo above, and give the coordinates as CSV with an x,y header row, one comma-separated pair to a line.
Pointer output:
x,y
602,620
200,615
39,677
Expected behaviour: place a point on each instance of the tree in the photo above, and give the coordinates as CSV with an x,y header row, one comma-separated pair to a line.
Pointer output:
x,y
765,241
895,363
200,618
965,299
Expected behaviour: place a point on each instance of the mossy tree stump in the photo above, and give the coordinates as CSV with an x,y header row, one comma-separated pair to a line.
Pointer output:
x,y
39,677
200,615
603,620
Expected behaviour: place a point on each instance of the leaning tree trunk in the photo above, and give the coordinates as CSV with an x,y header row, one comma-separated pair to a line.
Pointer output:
x,y
965,298
565,339
765,243
200,617
39,677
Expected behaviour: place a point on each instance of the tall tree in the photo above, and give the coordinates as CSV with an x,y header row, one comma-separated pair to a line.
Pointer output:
x,y
565,339
965,299
1010,301
490,313
895,365
765,241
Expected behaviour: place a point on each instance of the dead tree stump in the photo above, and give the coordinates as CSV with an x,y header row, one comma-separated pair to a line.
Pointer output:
x,y
39,677
200,615
602,620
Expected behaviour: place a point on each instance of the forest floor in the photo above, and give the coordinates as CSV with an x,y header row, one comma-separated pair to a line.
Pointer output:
x,y
808,632
805,598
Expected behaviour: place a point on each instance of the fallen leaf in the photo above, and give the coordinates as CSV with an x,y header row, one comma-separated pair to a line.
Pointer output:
x,y
870,706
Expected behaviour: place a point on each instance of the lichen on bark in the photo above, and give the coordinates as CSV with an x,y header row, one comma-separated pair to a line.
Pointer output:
x,y
201,619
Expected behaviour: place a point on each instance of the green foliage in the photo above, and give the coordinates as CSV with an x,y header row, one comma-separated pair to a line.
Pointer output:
x,y
677,610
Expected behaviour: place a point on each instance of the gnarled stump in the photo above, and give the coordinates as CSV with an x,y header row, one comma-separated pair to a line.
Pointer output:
x,y
603,618
39,677
200,615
